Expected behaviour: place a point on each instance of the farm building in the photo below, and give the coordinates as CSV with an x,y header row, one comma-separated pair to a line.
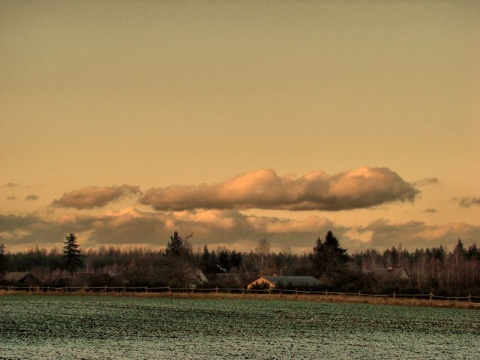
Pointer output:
x,y
284,282
227,280
21,278
390,276
389,273
196,277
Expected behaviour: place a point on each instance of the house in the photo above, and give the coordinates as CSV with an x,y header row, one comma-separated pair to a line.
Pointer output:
x,y
195,277
227,280
21,278
389,275
200,276
93,280
284,282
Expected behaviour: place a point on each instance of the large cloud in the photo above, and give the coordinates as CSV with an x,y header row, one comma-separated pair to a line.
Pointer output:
x,y
94,196
131,227
229,228
264,189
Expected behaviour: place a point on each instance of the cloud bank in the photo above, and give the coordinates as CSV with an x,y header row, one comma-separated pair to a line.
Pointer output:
x,y
131,227
264,189
417,234
94,196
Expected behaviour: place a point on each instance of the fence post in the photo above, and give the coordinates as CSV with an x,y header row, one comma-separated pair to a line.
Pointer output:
x,y
106,288
469,298
66,288
146,289
431,296
326,292
216,290
394,295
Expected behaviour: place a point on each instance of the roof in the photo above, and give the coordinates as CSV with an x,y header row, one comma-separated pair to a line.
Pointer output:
x,y
16,276
201,276
293,280
389,272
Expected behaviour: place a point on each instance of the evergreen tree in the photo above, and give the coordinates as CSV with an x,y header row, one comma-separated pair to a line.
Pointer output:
x,y
205,260
224,261
177,246
328,257
212,266
3,259
236,259
72,255
205,255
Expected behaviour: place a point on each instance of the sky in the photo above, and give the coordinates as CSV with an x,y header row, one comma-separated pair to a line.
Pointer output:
x,y
235,121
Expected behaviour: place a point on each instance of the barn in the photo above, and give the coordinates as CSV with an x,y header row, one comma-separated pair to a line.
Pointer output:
x,y
21,278
284,282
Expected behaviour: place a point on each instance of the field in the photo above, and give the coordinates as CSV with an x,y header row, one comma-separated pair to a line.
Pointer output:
x,y
121,327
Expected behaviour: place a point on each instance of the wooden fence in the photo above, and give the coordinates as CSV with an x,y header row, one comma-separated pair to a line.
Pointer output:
x,y
168,289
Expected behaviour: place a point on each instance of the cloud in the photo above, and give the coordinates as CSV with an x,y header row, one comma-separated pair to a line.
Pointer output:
x,y
427,181
467,202
32,197
131,227
230,228
264,189
415,234
94,196
10,184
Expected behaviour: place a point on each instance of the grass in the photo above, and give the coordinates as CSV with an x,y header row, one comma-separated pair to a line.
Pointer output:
x,y
365,299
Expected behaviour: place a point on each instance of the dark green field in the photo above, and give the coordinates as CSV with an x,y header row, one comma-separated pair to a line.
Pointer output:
x,y
106,327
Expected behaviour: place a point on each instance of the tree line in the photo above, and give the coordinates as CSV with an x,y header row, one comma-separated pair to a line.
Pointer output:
x,y
450,273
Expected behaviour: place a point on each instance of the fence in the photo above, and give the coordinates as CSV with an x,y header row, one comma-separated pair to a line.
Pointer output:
x,y
168,289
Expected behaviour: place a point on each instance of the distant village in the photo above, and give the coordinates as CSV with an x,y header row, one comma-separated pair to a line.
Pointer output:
x,y
327,267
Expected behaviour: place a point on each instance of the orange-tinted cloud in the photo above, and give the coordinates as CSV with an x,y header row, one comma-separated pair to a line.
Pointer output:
x,y
417,234
427,181
467,202
32,197
229,228
264,189
10,184
94,196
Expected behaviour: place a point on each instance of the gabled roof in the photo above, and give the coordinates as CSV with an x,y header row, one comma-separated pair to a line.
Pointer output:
x,y
201,276
16,276
293,280
399,273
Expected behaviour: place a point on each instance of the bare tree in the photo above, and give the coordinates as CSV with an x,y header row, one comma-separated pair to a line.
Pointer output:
x,y
261,256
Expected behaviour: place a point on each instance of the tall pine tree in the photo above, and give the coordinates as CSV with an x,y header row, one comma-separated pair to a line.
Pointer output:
x,y
3,259
328,257
177,246
72,255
